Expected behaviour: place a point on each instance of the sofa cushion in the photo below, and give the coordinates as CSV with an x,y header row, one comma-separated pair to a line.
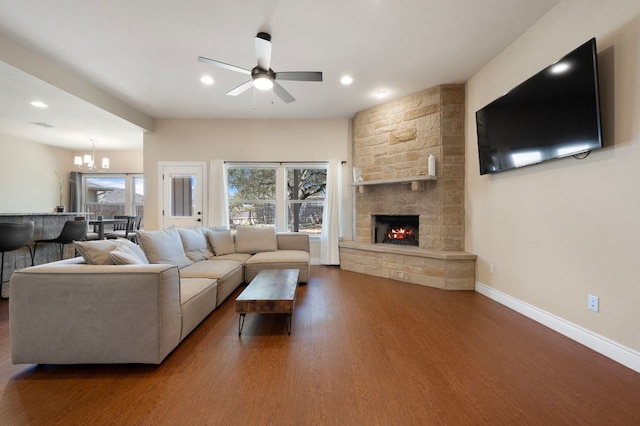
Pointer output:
x,y
163,246
281,259
198,297
256,239
280,256
238,257
221,242
191,287
213,269
123,255
194,244
99,252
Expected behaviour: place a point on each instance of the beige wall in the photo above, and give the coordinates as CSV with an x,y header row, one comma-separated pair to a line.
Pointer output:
x,y
560,231
240,140
27,175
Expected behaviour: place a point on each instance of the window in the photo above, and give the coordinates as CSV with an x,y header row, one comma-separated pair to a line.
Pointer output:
x,y
252,196
110,195
290,196
305,199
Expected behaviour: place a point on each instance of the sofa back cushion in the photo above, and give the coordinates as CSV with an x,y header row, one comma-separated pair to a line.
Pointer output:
x,y
256,239
221,242
163,246
194,244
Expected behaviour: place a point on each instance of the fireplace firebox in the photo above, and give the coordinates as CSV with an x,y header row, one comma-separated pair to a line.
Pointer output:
x,y
396,229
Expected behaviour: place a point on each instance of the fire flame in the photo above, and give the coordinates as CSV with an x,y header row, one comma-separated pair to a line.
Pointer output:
x,y
400,233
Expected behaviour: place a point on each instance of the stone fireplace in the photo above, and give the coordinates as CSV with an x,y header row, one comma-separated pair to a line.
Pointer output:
x,y
391,146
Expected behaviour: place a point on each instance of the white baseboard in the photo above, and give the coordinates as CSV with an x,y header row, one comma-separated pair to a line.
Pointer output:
x,y
609,348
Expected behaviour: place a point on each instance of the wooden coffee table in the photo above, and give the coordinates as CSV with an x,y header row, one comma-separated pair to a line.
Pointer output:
x,y
272,291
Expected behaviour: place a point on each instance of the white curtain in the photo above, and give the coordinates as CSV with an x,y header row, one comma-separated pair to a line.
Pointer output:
x,y
219,201
329,252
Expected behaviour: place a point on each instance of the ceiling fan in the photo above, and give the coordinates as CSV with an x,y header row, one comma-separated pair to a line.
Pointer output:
x,y
262,76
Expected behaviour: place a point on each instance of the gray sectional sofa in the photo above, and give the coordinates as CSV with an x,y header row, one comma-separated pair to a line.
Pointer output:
x,y
124,303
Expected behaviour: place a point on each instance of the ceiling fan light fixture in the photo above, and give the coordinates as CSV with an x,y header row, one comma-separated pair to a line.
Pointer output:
x,y
263,82
263,77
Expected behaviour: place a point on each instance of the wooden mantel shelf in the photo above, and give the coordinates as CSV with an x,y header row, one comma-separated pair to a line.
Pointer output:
x,y
415,181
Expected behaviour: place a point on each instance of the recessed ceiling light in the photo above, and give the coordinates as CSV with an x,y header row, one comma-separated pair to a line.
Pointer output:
x,y
39,104
206,79
381,93
346,80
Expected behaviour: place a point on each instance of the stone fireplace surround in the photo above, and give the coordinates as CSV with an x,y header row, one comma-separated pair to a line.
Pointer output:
x,y
391,146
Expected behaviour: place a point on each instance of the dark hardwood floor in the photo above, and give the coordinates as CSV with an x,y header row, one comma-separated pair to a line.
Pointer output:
x,y
363,351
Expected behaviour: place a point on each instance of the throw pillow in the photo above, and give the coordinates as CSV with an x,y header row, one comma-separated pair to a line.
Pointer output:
x,y
221,242
163,246
255,239
98,252
123,255
194,244
134,248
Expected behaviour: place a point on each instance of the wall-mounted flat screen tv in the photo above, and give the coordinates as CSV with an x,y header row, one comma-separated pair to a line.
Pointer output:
x,y
554,114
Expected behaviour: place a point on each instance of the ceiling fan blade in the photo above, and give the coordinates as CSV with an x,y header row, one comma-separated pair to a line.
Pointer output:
x,y
299,76
282,93
223,65
240,89
263,51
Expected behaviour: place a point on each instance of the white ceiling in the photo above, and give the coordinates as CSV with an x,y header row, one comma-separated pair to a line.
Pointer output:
x,y
144,53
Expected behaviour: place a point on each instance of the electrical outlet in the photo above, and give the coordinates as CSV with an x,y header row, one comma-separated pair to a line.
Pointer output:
x,y
491,268
594,303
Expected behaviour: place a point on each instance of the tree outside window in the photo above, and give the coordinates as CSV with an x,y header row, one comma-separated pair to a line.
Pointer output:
x,y
252,196
306,189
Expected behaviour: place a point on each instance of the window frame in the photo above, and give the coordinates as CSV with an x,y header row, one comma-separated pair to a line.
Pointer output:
x,y
282,201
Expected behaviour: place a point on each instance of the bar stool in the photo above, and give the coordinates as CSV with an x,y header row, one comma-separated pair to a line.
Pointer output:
x,y
12,237
73,230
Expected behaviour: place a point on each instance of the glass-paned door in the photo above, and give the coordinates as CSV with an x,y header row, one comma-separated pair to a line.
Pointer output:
x,y
183,196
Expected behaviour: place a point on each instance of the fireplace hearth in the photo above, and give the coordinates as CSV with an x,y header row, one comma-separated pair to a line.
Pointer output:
x,y
396,229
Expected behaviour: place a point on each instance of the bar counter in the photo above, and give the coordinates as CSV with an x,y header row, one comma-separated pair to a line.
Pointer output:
x,y
47,225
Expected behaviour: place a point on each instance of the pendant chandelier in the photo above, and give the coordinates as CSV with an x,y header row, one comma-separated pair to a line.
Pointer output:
x,y
88,161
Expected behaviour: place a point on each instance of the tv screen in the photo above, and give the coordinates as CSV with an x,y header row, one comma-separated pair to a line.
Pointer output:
x,y
554,114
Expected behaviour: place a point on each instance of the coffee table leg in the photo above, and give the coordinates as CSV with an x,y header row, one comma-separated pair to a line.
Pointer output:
x,y
289,324
241,323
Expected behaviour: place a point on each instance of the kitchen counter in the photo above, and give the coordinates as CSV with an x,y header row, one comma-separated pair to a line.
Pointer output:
x,y
47,225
